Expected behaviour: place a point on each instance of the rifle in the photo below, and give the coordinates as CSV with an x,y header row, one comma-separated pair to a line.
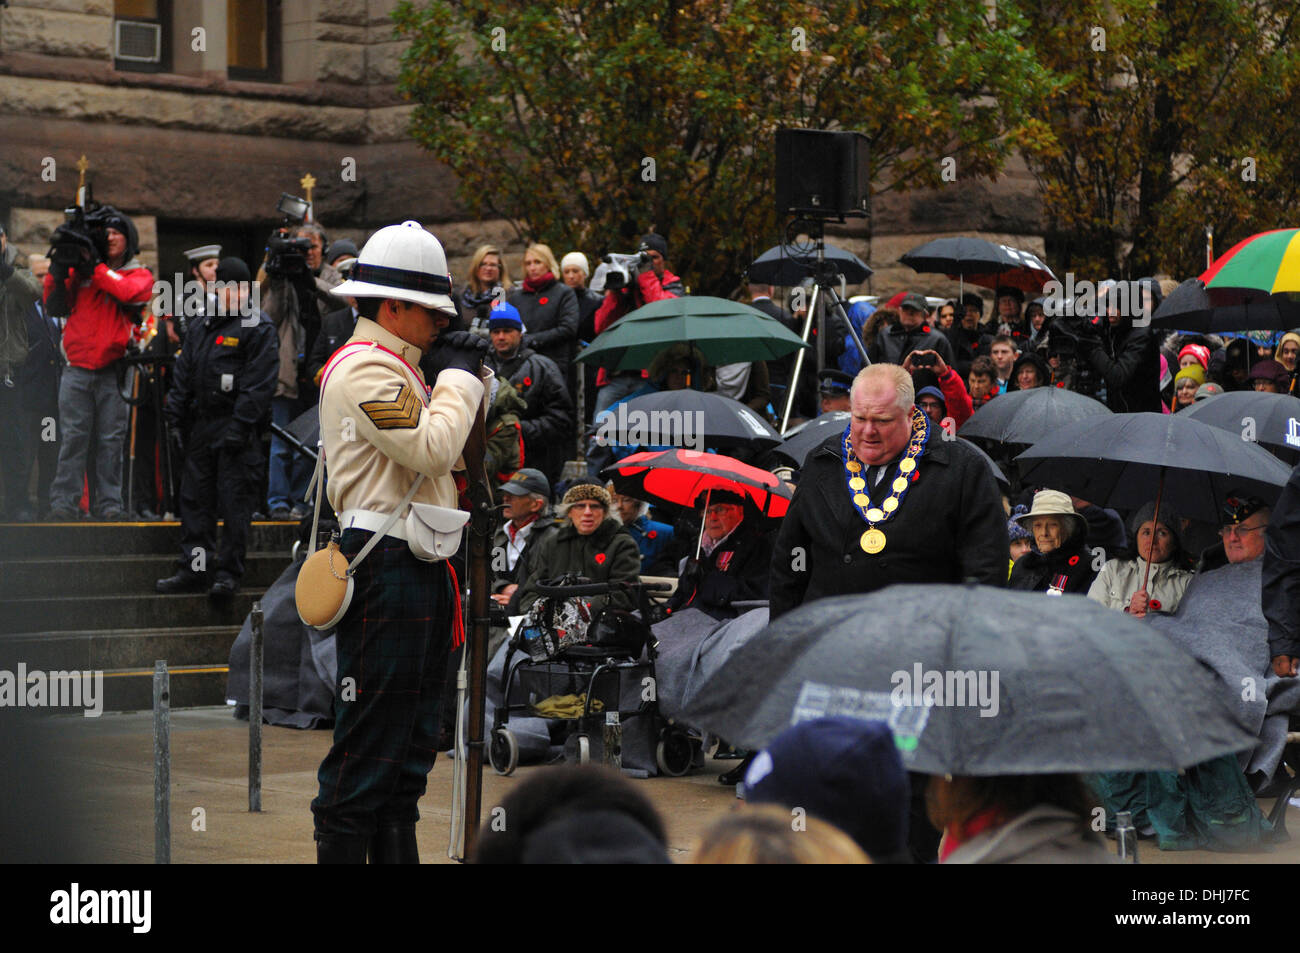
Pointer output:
x,y
481,527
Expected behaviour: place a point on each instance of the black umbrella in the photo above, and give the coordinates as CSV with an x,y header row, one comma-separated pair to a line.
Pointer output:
x,y
808,436
981,262
1025,684
1271,420
786,265
1122,461
1190,307
1027,416
685,418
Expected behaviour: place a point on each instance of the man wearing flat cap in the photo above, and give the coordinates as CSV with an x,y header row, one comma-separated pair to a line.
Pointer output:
x,y
911,333
735,553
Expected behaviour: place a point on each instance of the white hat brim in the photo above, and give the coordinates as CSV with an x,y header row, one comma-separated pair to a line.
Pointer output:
x,y
367,289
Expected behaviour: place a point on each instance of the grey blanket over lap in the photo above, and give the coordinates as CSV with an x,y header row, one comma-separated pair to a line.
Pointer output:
x,y
692,646
1220,621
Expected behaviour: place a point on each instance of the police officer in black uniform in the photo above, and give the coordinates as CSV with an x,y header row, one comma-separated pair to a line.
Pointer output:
x,y
218,405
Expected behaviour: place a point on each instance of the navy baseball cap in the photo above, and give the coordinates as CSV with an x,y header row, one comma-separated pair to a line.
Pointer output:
x,y
526,481
845,771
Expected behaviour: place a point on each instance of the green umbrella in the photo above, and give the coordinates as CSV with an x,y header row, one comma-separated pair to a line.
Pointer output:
x,y
726,332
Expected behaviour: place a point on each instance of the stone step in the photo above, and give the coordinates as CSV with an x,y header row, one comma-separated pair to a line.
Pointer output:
x,y
82,576
130,611
21,541
88,651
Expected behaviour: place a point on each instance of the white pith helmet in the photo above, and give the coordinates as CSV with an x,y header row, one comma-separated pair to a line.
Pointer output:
x,y
404,262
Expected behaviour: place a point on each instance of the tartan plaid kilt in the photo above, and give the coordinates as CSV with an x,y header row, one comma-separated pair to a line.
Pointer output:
x,y
394,643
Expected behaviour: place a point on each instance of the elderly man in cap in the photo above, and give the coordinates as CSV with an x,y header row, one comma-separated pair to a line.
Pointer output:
x,y
733,563
1281,580
389,438
888,501
526,501
911,333
654,282
219,403
105,297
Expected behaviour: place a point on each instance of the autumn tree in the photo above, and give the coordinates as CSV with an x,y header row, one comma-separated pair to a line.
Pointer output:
x,y
1171,115
584,124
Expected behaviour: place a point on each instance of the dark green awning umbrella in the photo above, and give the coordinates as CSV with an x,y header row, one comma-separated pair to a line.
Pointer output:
x,y
726,332
1078,687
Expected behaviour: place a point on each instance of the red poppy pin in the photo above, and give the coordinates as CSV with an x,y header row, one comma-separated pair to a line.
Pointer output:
x,y
528,382
600,558
652,534
1154,604
1074,560
543,300
220,338
915,475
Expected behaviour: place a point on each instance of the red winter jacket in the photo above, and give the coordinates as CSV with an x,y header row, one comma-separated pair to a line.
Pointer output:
x,y
98,327
651,288
956,398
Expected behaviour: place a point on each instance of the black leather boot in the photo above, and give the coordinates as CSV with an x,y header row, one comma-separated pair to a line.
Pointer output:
x,y
394,844
341,848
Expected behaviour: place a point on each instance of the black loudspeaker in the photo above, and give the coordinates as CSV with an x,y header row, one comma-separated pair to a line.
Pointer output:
x,y
822,173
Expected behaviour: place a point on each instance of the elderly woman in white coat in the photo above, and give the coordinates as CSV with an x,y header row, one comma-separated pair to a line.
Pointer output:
x,y
1158,540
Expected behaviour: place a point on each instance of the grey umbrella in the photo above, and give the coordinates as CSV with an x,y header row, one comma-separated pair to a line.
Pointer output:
x,y
1027,416
1029,684
1271,420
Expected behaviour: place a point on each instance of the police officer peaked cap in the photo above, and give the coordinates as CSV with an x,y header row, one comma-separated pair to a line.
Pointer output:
x,y
404,262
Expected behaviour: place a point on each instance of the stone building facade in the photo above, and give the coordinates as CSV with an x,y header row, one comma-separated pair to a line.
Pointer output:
x,y
196,114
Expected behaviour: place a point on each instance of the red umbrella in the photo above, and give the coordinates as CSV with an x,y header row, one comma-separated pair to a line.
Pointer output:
x,y
678,477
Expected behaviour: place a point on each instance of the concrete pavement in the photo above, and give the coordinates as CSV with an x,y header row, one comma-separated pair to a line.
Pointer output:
x,y
106,778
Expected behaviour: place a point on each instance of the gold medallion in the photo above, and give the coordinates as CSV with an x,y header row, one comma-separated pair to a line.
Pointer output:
x,y
890,504
875,514
899,485
861,499
857,484
853,466
907,466
873,541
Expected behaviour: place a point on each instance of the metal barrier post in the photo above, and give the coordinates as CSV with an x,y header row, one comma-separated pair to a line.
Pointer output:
x,y
162,764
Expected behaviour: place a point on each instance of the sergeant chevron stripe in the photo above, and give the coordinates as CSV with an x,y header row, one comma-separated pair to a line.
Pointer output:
x,y
400,413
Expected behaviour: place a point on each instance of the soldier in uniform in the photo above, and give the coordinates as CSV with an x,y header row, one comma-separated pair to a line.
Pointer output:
x,y
218,405
382,428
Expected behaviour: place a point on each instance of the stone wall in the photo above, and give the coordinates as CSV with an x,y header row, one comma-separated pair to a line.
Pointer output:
x,y
193,146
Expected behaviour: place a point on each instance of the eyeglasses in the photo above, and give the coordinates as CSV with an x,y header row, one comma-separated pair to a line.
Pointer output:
x,y
718,509
1228,531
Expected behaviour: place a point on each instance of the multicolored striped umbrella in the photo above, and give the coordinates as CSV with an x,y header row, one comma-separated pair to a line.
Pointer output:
x,y
1263,264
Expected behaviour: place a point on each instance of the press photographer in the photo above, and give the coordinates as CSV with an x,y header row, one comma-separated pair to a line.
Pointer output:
x,y
296,294
630,281
1109,349
97,282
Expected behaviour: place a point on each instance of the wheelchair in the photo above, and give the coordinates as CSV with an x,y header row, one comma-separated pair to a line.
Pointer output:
x,y
603,663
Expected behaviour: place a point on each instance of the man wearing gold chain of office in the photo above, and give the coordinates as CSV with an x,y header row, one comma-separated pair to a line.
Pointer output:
x,y
891,499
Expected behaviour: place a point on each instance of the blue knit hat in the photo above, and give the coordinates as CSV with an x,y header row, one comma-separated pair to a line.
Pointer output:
x,y
505,315
845,771
1014,530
